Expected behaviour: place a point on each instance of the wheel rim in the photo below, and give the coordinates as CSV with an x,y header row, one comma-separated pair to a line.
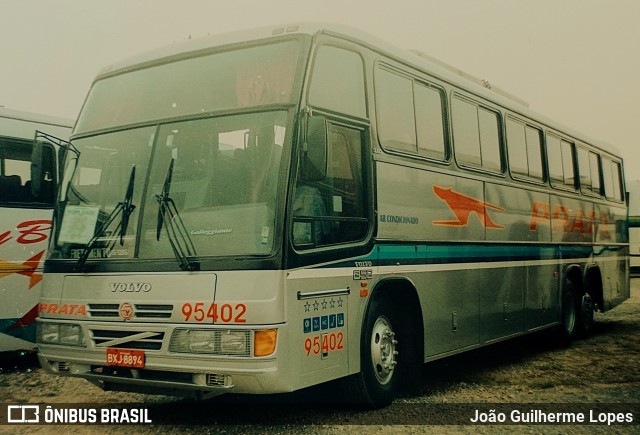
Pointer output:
x,y
383,350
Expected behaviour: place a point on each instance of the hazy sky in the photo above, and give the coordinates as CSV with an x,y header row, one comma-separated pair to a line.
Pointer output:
x,y
577,61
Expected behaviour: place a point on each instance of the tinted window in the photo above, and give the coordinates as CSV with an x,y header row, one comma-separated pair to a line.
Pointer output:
x,y
16,185
517,146
476,135
534,152
249,76
583,169
489,139
333,209
567,163
555,159
396,121
410,115
594,166
429,120
560,155
337,82
466,132
612,182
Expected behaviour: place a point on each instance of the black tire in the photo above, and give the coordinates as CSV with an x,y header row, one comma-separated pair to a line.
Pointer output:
x,y
585,315
569,308
379,379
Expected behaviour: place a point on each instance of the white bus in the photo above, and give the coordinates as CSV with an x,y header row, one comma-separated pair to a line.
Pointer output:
x,y
267,210
26,206
633,191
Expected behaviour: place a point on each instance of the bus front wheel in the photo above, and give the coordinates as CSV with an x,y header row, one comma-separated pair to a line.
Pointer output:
x,y
378,381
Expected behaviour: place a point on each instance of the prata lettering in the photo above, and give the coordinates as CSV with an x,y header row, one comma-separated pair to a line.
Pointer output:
x,y
566,220
70,309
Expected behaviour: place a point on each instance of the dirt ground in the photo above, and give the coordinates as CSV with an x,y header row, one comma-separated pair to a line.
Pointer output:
x,y
599,374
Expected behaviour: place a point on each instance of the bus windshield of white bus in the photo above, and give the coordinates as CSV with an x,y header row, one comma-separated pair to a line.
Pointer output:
x,y
210,145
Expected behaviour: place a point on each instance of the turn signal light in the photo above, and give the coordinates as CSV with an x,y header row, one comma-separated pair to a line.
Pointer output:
x,y
265,342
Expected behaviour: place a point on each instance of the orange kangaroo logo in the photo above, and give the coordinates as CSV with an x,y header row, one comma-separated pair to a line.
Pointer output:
x,y
462,206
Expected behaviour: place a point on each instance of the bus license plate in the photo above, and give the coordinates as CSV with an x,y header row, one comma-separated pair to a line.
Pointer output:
x,y
125,358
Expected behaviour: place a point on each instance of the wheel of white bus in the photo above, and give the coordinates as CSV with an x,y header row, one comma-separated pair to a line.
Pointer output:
x,y
378,381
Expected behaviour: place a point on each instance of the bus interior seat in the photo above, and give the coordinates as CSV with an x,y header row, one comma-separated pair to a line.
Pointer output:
x,y
11,188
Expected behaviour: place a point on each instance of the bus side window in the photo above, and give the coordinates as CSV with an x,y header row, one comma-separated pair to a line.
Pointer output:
x,y
476,135
612,181
561,164
332,209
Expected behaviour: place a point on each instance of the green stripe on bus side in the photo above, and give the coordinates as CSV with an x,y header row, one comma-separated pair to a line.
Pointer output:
x,y
634,221
391,254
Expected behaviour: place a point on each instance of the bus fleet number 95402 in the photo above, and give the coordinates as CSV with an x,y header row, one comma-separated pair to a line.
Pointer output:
x,y
215,313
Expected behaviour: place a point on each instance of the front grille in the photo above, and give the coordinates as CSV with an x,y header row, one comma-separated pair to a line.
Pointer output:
x,y
148,311
153,340
141,311
104,310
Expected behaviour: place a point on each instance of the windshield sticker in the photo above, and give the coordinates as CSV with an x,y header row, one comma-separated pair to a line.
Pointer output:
x,y
78,224
98,253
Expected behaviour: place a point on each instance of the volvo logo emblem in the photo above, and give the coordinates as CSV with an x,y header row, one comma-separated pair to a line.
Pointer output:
x,y
126,311
130,287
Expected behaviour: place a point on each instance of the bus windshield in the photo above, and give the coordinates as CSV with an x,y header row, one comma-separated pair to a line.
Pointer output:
x,y
223,182
200,137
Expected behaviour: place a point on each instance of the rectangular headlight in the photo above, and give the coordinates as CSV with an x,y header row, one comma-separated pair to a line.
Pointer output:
x,y
234,342
48,333
202,341
71,335
66,334
211,341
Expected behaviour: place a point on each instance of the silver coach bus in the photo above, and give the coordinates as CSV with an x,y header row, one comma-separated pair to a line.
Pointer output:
x,y
267,210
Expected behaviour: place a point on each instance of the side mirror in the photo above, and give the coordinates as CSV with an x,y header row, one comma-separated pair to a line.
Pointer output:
x,y
43,171
314,150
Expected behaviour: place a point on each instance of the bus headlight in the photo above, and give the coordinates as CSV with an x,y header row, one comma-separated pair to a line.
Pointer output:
x,y
211,341
66,334
234,342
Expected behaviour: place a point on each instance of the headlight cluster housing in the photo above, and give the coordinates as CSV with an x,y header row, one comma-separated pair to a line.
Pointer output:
x,y
225,342
65,334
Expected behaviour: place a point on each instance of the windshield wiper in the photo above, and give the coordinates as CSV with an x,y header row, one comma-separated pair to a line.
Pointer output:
x,y
177,233
125,207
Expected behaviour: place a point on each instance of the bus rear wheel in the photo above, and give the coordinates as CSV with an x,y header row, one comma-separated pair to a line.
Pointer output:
x,y
585,315
569,326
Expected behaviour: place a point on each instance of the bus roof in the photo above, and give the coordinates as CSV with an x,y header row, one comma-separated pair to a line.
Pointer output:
x,y
35,117
19,124
412,58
